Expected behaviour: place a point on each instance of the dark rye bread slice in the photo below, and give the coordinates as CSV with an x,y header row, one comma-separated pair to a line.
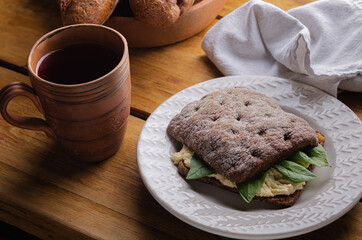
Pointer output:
x,y
282,200
239,132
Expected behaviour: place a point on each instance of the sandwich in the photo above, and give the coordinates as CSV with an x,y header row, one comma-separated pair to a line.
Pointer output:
x,y
245,142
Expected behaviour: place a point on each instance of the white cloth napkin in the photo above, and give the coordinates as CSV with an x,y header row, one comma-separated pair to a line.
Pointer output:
x,y
318,43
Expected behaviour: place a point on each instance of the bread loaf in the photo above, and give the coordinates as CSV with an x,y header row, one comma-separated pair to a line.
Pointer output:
x,y
86,11
159,13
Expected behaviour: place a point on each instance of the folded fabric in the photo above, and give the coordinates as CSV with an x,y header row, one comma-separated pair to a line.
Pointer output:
x,y
319,43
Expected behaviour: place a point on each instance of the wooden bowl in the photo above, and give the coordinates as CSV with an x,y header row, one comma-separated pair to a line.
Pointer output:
x,y
140,35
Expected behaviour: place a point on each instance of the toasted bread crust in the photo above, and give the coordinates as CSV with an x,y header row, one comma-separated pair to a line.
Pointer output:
x,y
86,11
159,13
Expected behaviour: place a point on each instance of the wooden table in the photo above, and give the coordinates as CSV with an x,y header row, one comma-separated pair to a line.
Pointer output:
x,y
46,194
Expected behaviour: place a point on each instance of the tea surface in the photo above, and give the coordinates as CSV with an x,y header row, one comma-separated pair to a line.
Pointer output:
x,y
77,63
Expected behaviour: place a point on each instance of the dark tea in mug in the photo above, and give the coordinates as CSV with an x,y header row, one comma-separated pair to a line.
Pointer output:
x,y
77,63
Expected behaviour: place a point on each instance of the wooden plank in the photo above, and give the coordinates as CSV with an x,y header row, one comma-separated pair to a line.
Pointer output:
x,y
353,100
50,212
348,227
53,183
22,22
283,4
158,73
155,78
37,165
114,184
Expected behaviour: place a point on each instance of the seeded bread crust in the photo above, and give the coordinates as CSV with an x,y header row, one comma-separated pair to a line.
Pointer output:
x,y
239,132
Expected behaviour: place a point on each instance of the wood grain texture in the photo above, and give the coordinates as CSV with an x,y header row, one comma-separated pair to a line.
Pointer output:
x,y
22,22
155,78
45,193
283,4
102,201
347,227
353,100
69,200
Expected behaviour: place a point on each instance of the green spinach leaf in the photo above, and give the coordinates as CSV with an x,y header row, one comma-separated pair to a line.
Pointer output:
x,y
310,155
249,188
317,155
198,168
300,158
294,172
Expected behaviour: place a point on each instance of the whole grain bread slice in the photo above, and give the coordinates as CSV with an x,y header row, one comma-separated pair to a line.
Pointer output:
x,y
239,132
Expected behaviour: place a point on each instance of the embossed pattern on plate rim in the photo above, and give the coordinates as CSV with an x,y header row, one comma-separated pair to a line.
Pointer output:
x,y
173,193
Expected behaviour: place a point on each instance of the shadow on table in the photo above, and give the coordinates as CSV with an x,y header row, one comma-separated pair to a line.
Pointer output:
x,y
164,221
37,185
9,232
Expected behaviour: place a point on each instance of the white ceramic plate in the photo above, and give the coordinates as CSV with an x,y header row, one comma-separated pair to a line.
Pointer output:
x,y
335,191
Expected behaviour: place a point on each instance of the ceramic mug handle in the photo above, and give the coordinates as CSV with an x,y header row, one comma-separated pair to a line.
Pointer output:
x,y
15,89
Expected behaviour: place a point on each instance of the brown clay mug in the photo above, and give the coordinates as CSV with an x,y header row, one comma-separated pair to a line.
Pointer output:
x,y
88,119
